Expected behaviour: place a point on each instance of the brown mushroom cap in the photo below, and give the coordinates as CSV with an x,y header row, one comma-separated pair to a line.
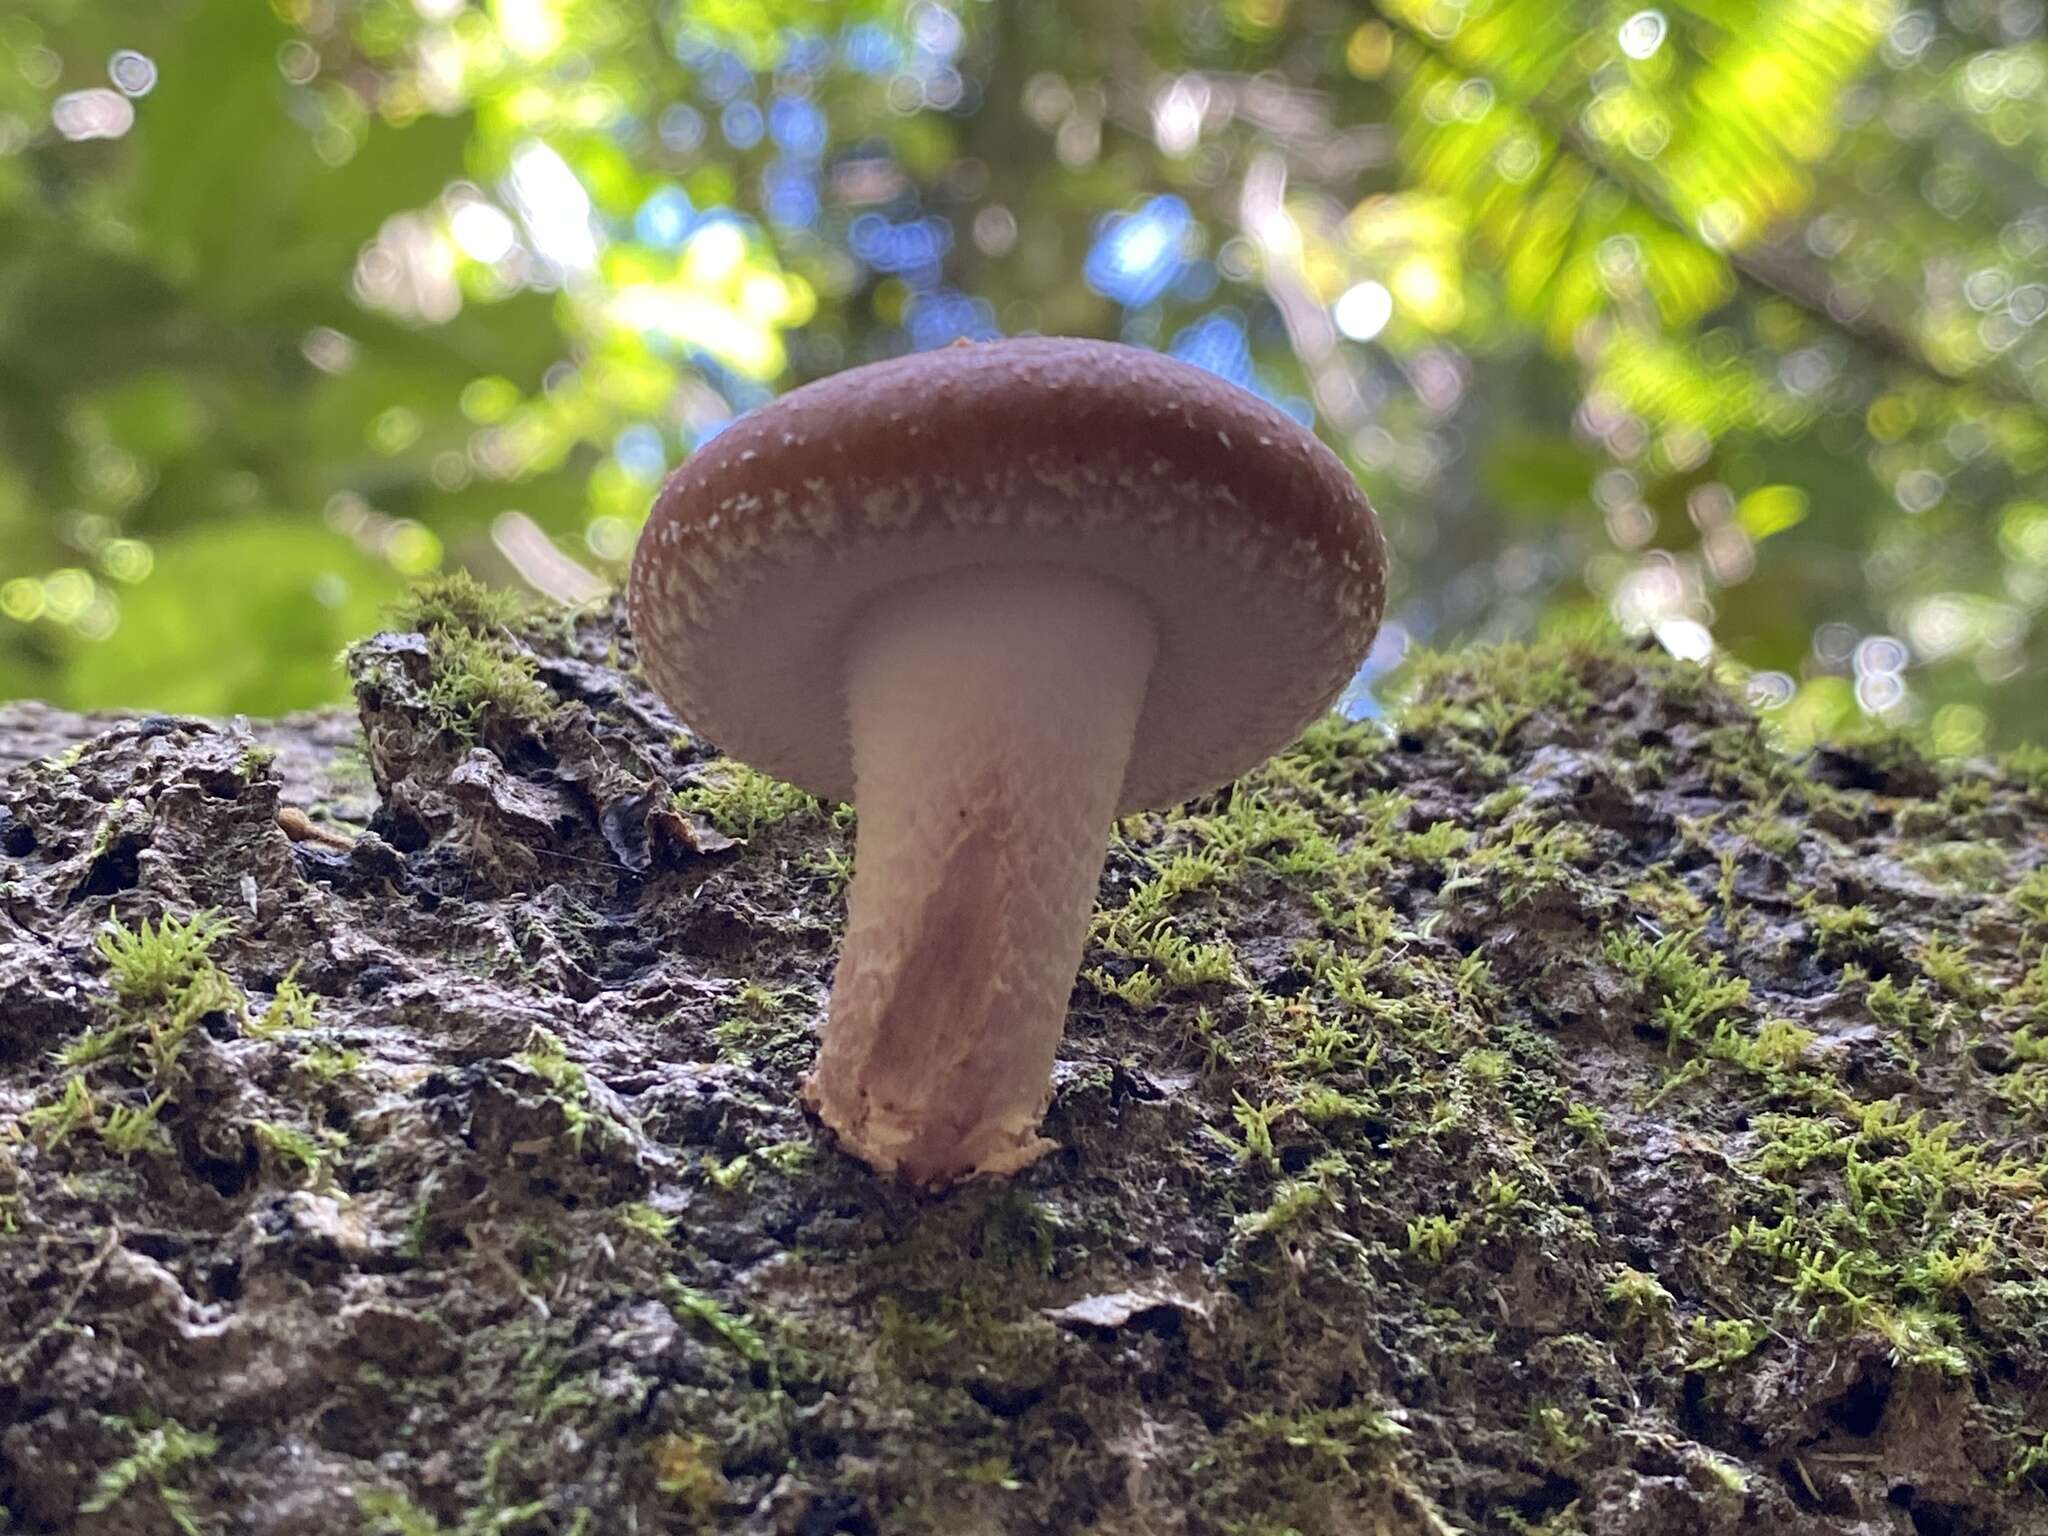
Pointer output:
x,y
1249,543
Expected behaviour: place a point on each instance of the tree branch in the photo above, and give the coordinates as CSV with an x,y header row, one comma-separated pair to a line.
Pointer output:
x,y
1755,269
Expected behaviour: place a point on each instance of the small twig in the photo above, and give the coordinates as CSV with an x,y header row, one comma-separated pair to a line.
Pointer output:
x,y
301,828
10,1370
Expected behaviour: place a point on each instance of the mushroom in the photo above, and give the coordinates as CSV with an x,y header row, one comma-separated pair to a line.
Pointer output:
x,y
996,595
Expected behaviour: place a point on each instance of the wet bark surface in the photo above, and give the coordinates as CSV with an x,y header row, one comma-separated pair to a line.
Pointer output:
x,y
1555,1112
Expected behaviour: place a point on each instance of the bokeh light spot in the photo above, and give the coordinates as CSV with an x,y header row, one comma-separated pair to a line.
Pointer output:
x,y
664,219
412,548
1137,255
553,205
133,74
94,114
1218,343
483,231
128,560
22,599
1370,50
1363,310
1957,730
1643,34
741,123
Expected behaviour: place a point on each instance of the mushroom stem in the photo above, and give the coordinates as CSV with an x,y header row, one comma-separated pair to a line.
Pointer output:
x,y
992,712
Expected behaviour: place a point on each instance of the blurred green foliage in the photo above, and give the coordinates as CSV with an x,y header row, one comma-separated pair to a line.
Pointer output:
x,y
1725,319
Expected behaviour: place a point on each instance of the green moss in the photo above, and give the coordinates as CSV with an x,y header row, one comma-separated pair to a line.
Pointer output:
x,y
1980,866
686,1470
1140,989
129,1130
477,677
51,1123
760,1030
1254,1140
2029,1460
1495,807
388,1512
1519,678
458,601
2030,897
695,1306
644,1221
1951,968
329,1064
1912,1010
1295,1200
548,1059
1526,864
788,1158
1773,833
1845,935
293,1151
741,801
163,981
1271,1472
1432,1238
94,1045
290,1008
480,658
255,761
1437,844
1589,1122
1716,1343
1180,963
156,1468
1688,990
1640,1297
832,866
2028,767
161,963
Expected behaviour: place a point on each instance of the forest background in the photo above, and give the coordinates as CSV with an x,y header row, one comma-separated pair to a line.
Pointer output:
x,y
1722,320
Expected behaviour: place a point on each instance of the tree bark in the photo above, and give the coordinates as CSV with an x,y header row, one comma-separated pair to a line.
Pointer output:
x,y
1558,1112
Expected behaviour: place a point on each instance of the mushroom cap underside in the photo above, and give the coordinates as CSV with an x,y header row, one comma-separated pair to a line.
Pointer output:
x,y
1246,540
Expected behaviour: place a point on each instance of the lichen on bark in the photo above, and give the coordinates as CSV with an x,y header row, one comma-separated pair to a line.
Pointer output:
x,y
1555,1111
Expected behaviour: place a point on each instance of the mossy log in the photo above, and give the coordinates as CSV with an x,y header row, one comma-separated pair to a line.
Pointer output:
x,y
1557,1111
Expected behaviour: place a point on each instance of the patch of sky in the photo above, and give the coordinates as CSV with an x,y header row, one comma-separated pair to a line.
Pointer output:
x,y
1218,343
789,194
681,128
744,393
694,48
803,52
722,76
554,207
1196,284
1136,256
665,219
936,30
1142,328
1360,699
912,249
741,123
946,315
797,126
640,452
870,49
741,393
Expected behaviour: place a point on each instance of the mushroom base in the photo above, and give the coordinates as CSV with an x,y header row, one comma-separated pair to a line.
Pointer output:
x,y
992,714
